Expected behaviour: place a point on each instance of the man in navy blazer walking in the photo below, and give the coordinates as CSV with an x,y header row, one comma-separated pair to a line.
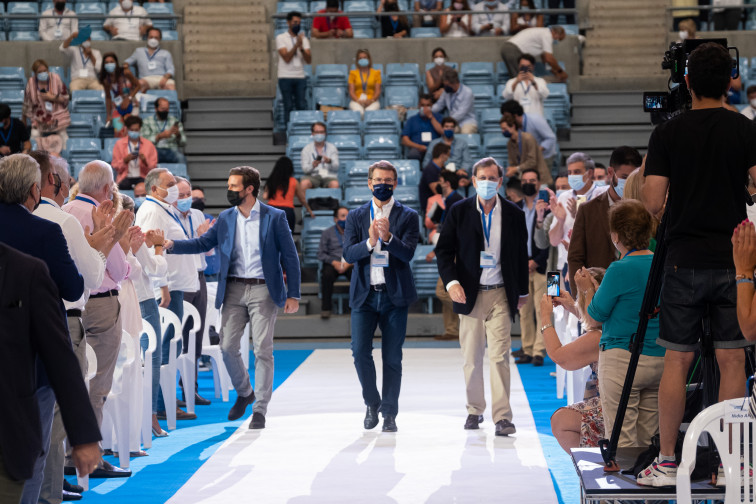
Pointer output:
x,y
380,240
254,241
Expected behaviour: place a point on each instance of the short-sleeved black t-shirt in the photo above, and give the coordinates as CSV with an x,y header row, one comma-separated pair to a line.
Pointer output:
x,y
16,135
430,174
706,154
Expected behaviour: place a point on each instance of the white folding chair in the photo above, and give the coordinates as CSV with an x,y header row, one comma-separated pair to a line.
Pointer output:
x,y
135,391
724,422
221,379
168,371
83,481
116,418
187,361
146,421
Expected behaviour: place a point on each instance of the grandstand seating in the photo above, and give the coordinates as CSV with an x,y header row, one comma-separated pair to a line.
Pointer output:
x,y
402,74
312,228
488,121
425,275
155,10
300,121
405,96
382,146
425,32
322,192
409,196
107,149
14,98
83,125
356,196
484,95
87,12
22,25
88,101
83,150
331,75
153,94
24,36
176,169
495,146
329,96
343,122
382,122
350,146
12,78
354,173
477,73
409,171
294,151
473,141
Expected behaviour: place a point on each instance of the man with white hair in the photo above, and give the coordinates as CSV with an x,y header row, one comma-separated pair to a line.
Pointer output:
x,y
102,314
158,212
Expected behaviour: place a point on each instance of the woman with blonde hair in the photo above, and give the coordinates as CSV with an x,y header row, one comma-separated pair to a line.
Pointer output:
x,y
364,84
46,105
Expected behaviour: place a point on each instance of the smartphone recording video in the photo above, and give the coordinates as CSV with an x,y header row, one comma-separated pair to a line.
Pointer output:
x,y
553,280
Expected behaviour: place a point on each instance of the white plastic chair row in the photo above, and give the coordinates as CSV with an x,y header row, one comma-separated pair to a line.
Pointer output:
x,y
146,422
83,481
221,378
187,361
168,371
116,425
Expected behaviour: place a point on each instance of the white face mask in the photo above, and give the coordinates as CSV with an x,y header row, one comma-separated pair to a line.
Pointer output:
x,y
127,4
172,195
439,61
86,44
153,43
682,34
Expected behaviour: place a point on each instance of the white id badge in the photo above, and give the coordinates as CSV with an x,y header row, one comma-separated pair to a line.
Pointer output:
x,y
58,34
379,259
487,260
525,101
118,100
426,136
363,96
83,73
49,106
151,65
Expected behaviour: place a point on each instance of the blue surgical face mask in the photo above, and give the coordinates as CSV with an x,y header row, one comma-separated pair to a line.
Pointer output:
x,y
134,135
492,4
620,187
43,76
383,192
449,133
486,189
341,224
138,200
110,67
319,138
363,62
599,183
507,134
184,204
560,192
576,182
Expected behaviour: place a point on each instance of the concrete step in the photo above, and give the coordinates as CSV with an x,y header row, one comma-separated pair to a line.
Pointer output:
x,y
229,104
615,114
232,142
646,33
211,28
628,45
245,58
607,137
600,99
215,167
221,9
228,43
228,120
599,155
205,86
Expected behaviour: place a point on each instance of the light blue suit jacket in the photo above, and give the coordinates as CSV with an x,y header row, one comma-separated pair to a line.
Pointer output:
x,y
276,244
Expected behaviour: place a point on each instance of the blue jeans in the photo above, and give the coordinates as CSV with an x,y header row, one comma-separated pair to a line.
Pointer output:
x,y
379,311
150,313
176,306
293,94
46,403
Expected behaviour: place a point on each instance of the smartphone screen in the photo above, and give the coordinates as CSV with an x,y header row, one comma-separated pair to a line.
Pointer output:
x,y
553,280
543,194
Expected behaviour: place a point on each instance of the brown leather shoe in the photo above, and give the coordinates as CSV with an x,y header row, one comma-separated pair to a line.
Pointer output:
x,y
183,415
525,359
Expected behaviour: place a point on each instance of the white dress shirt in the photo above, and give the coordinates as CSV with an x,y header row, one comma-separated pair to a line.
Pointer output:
x,y
81,66
529,96
498,19
152,266
191,221
59,27
89,262
181,275
377,276
310,152
128,27
569,221
246,257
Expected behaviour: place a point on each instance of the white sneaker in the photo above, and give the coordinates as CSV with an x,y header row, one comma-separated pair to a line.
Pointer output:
x,y
658,474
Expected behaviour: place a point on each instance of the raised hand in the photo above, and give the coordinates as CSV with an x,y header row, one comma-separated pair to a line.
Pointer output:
x,y
136,238
102,240
572,207
102,215
154,237
560,213
744,248
202,228
121,223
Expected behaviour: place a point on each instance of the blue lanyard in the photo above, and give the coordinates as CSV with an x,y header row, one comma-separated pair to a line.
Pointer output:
x,y
524,122
364,82
80,198
128,143
60,19
486,229
43,202
526,89
10,132
394,24
171,214
629,252
165,123
83,61
519,147
147,52
372,218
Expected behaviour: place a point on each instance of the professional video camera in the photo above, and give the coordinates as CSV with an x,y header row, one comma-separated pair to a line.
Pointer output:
x,y
667,104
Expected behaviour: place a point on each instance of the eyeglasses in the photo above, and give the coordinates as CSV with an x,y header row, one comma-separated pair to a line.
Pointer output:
x,y
383,180
484,178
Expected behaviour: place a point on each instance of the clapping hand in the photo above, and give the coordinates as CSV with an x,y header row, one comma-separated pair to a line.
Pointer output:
x,y
136,238
744,248
203,228
102,240
560,213
154,237
383,229
572,207
121,224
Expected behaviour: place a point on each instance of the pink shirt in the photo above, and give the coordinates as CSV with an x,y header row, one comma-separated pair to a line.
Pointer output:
x,y
116,267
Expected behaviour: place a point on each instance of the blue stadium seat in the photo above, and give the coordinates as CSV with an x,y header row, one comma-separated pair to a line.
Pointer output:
x,y
558,104
752,69
402,74
489,121
12,78
363,33
107,150
406,96
83,125
172,97
22,25
409,171
355,197
350,146
571,29
360,6
176,169
24,36
473,142
294,151
355,173
425,32
382,121
312,228
408,195
331,75
323,192
317,5
60,72
288,6
477,73
83,150
300,121
3,36
330,96
90,13
484,96
14,98
425,275
88,101
502,73
495,146
382,146
155,10
344,122
99,35
170,35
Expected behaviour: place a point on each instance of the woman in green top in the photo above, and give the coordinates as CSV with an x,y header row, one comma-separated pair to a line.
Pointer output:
x,y
616,304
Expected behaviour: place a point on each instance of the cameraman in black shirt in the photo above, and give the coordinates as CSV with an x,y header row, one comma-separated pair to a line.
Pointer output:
x,y
703,157
14,137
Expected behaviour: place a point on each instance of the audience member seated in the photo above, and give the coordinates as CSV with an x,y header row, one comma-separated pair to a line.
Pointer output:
x,y
281,187
536,41
60,25
579,425
330,253
140,194
133,156
519,22
434,74
461,159
750,110
155,67
165,131
687,29
126,27
458,102
86,64
565,4
489,24
530,91
46,105
429,178
616,304
523,152
320,160
14,137
422,6
421,129
333,26
536,125
293,53
599,175
393,26
456,25
364,84
120,87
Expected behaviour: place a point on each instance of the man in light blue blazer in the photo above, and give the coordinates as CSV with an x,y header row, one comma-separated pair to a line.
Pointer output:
x,y
254,241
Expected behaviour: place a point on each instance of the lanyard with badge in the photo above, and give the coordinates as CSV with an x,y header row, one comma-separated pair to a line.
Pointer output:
x,y
85,200
487,260
58,31
363,81
151,65
178,221
7,137
83,73
379,258
525,100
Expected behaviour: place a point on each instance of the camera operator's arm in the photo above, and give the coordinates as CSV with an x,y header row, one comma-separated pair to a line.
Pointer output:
x,y
655,193
744,256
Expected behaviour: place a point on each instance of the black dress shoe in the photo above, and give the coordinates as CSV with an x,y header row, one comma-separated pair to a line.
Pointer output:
x,y
517,353
71,496
201,401
505,428
473,421
69,470
389,424
258,421
371,417
108,470
240,406
70,487
180,403
525,359
537,360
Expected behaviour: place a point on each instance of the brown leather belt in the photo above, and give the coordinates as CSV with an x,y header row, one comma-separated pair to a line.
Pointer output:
x,y
112,292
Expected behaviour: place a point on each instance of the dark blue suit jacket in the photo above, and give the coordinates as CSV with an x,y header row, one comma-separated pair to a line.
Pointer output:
x,y
404,226
276,244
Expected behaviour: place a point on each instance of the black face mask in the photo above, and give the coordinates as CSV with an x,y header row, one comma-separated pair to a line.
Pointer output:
x,y
60,6
162,114
199,204
529,189
439,189
234,197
